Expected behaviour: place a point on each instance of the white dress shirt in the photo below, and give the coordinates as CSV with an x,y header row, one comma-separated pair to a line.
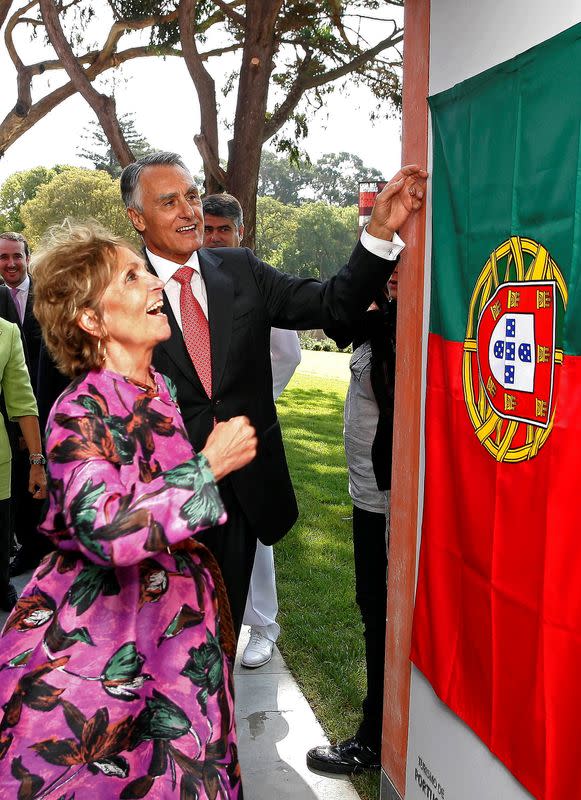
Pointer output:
x,y
165,270
21,297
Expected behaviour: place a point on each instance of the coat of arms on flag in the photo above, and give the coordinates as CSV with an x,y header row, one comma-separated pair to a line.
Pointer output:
x,y
510,351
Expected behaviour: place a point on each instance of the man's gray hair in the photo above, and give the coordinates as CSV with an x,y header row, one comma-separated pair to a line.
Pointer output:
x,y
16,237
223,205
130,190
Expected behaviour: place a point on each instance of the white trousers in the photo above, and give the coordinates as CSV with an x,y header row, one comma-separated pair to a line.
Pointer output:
x,y
262,603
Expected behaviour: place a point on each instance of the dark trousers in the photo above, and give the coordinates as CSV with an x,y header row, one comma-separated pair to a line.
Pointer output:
x,y
370,551
26,512
5,544
233,545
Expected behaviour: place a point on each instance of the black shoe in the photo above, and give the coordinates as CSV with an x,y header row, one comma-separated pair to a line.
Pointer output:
x,y
23,562
8,598
344,758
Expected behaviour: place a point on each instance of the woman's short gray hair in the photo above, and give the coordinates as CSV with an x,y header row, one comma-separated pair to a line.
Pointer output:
x,y
130,190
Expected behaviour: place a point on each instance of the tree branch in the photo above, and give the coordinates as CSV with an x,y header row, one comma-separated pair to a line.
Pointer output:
x,y
120,27
4,9
23,74
16,125
207,140
103,106
232,15
303,82
283,112
336,12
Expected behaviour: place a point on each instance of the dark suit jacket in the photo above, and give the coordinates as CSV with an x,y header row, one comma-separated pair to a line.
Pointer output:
x,y
245,298
7,308
32,336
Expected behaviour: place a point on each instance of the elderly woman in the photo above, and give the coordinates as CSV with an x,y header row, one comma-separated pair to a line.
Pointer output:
x,y
116,662
21,407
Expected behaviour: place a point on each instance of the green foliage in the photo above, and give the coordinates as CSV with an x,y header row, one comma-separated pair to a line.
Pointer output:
x,y
100,153
334,178
324,240
311,240
275,227
17,189
282,179
79,194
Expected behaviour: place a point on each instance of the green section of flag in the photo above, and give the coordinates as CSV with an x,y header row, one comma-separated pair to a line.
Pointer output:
x,y
507,162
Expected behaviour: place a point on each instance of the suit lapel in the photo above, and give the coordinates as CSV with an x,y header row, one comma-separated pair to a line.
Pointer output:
x,y
220,293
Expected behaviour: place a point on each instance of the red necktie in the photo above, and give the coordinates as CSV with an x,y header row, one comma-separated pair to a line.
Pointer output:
x,y
195,328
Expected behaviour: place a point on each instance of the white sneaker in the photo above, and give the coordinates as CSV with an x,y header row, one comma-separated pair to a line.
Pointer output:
x,y
258,651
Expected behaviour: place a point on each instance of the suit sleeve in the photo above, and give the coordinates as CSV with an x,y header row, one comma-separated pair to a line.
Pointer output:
x,y
304,303
7,308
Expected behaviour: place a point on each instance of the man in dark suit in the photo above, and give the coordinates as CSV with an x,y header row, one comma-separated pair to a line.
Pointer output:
x,y
220,363
7,308
14,262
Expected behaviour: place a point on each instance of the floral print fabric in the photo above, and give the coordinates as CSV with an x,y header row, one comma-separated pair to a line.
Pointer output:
x,y
114,682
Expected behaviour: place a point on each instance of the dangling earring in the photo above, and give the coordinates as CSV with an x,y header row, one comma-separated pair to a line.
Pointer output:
x,y
101,351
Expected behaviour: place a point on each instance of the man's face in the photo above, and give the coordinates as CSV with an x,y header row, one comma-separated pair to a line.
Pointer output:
x,y
13,262
221,232
172,222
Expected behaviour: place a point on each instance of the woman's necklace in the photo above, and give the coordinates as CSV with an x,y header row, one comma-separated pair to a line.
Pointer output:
x,y
149,385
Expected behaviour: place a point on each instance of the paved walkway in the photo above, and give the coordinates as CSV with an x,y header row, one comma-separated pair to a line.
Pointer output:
x,y
275,729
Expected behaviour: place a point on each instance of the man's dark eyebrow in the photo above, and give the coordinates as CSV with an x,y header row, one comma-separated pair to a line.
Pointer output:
x,y
168,196
171,195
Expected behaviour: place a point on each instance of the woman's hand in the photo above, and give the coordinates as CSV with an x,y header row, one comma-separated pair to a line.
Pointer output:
x,y
230,446
37,482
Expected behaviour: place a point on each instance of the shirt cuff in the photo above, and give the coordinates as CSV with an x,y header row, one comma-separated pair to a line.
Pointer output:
x,y
381,247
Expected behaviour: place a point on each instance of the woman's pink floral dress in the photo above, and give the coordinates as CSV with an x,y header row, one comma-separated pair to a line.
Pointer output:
x,y
114,681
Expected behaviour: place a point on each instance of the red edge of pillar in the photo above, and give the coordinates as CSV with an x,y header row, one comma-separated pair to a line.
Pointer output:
x,y
407,432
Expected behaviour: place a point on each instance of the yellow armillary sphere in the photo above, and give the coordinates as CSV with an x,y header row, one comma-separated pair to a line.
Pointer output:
x,y
511,362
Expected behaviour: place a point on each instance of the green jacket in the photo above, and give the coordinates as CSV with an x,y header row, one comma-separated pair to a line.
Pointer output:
x,y
17,394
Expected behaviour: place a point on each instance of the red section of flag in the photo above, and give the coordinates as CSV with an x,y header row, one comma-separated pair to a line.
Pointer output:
x,y
497,625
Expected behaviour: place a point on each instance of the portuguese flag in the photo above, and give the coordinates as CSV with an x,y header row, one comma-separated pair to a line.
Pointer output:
x,y
497,625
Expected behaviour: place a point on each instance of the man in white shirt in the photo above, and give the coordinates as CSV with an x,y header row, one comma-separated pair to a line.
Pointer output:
x,y
224,227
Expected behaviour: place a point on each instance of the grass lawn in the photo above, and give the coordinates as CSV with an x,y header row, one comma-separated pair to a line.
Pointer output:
x,y
322,634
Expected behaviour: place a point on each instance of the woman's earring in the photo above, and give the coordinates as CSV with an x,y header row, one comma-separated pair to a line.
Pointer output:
x,y
101,351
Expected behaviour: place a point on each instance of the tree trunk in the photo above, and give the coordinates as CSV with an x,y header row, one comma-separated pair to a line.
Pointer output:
x,y
255,72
